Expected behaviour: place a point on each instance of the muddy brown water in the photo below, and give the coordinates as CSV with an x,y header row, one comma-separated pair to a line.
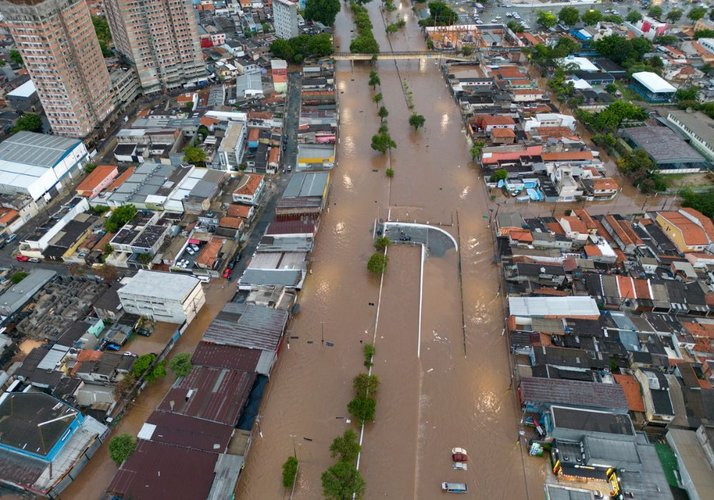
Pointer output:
x,y
96,476
457,392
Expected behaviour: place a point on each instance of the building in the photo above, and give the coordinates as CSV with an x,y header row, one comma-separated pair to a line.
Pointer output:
x,y
161,39
39,165
125,86
249,190
285,18
232,146
698,127
669,152
97,181
695,460
44,442
61,53
652,87
169,297
279,69
19,294
24,97
686,234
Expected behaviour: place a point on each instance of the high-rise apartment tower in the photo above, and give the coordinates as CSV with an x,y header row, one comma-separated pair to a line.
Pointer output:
x,y
60,50
285,18
161,38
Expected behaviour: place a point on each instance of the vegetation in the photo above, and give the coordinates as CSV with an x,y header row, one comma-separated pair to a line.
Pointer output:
x,y
623,51
666,40
686,94
194,155
613,18
101,28
181,364
696,13
633,16
99,209
142,364
124,386
515,26
476,149
368,350
346,447
89,167
290,469
674,15
342,481
15,57
377,263
365,385
374,80
547,56
499,175
389,172
29,122
569,16
440,15
381,242
18,277
377,98
157,372
655,11
365,42
546,19
417,121
641,170
707,33
108,249
702,201
383,142
383,113
362,409
121,447
610,118
299,48
120,216
591,17
323,11
396,26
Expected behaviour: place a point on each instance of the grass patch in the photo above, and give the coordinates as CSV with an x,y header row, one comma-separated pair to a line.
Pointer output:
x,y
669,462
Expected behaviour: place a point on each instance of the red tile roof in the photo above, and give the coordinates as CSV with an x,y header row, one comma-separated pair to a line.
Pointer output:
x,y
503,133
692,233
98,175
632,390
249,184
120,180
576,225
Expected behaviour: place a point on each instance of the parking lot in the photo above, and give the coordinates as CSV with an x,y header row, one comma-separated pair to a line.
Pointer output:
x,y
155,343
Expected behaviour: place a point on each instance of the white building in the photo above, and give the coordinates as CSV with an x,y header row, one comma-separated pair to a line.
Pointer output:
x,y
549,120
285,18
39,240
232,146
698,127
39,165
169,297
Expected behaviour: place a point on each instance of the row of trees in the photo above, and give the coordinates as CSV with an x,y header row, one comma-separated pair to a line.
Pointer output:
x,y
322,11
301,47
642,171
610,118
364,42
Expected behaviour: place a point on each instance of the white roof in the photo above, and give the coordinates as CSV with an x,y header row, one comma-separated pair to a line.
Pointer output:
x,y
24,90
553,306
156,284
278,64
653,82
580,84
582,62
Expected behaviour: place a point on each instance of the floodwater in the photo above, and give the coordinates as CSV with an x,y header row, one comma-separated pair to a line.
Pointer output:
x,y
451,388
96,476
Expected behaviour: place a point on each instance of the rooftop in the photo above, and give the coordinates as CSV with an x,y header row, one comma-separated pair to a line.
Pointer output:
x,y
190,432
247,325
36,150
156,284
573,392
653,82
306,184
592,421
553,306
98,175
663,145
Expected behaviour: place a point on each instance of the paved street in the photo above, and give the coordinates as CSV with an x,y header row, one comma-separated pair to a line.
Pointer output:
x,y
292,120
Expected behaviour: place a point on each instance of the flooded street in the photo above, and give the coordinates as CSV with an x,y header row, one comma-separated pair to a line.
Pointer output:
x,y
456,393
96,476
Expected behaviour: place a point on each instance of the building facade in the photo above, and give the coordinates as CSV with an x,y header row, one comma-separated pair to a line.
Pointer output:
x,y
285,17
161,39
232,148
60,50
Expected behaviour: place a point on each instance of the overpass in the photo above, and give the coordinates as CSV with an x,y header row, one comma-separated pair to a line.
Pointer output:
x,y
421,54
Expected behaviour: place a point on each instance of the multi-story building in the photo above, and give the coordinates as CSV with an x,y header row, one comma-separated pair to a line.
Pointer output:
x,y
232,148
60,50
285,18
161,38
169,297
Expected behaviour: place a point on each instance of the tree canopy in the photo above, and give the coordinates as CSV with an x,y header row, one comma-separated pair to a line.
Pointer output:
x,y
610,118
181,364
341,481
569,16
101,28
15,57
416,120
120,216
440,15
364,43
546,19
622,50
383,142
121,447
639,167
592,16
377,263
142,364
323,11
655,11
696,13
702,201
297,49
633,16
195,155
30,122
290,469
346,447
674,15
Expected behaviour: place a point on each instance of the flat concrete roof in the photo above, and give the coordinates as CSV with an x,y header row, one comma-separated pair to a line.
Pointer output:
x,y
170,286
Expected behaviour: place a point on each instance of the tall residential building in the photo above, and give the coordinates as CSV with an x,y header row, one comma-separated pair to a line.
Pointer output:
x,y
285,18
161,38
61,53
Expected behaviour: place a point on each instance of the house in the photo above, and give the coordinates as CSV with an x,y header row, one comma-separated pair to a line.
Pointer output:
x,y
656,395
487,123
100,178
695,459
250,189
686,235
599,188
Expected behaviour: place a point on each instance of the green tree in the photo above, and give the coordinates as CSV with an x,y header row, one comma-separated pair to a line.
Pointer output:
x,y
104,35
706,33
476,149
194,155
383,113
655,11
15,57
108,249
377,263
569,16
181,364
610,88
499,175
346,447
142,364
323,11
696,13
121,447
440,15
120,216
362,409
633,16
546,19
295,50
389,172
377,98
622,50
374,79
613,18
515,26
89,167
686,94
383,142
29,122
365,385
666,40
18,277
290,469
157,372
702,201
592,16
674,15
368,351
380,243
416,121
342,481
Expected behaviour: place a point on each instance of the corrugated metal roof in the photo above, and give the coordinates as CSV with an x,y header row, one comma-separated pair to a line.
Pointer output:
x,y
247,325
553,306
37,150
189,432
226,356
304,184
571,392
